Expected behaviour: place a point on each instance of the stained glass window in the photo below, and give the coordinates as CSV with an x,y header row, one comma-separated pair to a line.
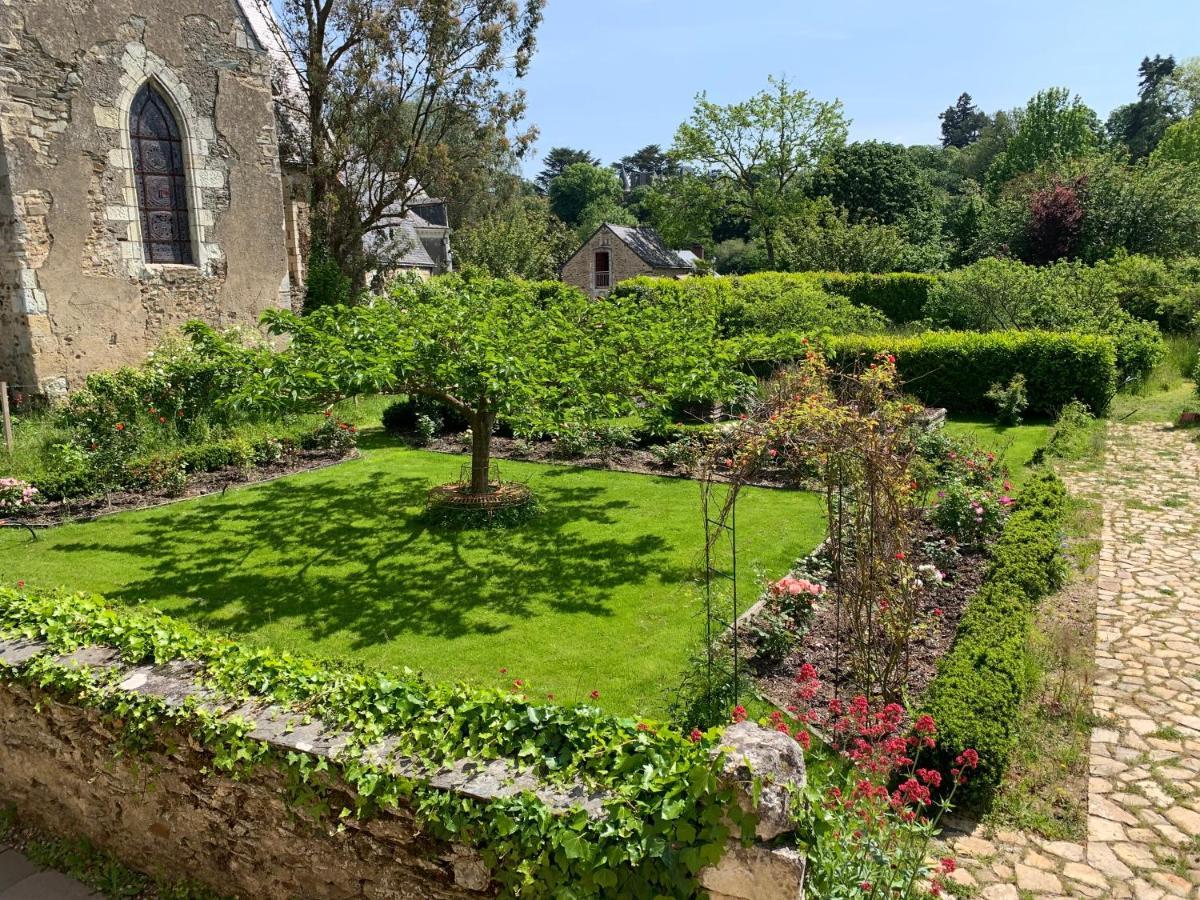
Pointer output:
x,y
161,183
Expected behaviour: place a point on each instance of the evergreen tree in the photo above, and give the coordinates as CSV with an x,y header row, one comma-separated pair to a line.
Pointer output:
x,y
962,122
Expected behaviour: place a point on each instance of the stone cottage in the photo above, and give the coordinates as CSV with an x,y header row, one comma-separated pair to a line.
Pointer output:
x,y
140,182
617,252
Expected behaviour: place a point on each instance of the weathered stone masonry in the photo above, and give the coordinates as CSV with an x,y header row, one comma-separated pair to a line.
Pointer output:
x,y
164,810
75,292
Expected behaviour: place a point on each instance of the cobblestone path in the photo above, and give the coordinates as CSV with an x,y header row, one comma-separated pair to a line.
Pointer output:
x,y
1143,831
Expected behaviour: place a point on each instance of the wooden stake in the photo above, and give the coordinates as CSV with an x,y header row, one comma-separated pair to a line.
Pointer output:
x,y
8,438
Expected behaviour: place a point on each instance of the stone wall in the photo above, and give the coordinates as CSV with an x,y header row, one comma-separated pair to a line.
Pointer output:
x,y
76,294
624,262
164,810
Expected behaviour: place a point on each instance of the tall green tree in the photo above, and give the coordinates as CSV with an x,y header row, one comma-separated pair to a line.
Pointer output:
x,y
876,181
962,123
379,92
557,161
650,160
1052,126
762,151
1141,125
583,186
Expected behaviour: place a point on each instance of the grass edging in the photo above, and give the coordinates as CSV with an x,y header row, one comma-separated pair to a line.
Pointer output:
x,y
983,680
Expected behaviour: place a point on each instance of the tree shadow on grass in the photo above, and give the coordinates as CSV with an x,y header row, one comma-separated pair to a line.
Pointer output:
x,y
351,553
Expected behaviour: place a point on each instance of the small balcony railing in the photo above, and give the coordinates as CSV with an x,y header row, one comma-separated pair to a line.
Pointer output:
x,y
602,280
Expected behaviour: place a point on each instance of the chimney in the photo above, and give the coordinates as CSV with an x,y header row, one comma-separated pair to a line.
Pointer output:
x,y
698,250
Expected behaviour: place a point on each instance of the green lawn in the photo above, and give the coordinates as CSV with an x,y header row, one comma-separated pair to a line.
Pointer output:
x,y
597,593
1016,445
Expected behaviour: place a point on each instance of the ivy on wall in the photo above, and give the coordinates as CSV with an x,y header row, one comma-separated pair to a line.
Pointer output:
x,y
666,814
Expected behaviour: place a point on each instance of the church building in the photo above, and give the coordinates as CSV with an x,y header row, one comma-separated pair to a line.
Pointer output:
x,y
140,181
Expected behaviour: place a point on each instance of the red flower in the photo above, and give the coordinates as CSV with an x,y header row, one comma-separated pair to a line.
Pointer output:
x,y
899,554
162,420
891,358
595,695
504,670
739,714
949,865
518,683
20,584
696,735
120,426
938,612
642,726
803,738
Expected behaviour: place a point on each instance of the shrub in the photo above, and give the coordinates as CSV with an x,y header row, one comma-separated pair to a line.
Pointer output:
x,y
994,295
764,303
1010,400
970,515
983,680
1071,436
900,296
331,434
16,496
956,369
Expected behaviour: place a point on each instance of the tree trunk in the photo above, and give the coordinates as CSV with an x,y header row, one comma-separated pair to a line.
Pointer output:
x,y
481,450
769,246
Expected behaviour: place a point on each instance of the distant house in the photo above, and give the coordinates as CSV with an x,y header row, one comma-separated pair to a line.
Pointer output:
x,y
418,233
617,252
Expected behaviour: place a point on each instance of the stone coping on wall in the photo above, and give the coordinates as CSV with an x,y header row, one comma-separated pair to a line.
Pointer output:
x,y
766,870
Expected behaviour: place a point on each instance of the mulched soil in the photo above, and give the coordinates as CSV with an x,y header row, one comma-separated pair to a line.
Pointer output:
x,y
621,459
822,648
199,484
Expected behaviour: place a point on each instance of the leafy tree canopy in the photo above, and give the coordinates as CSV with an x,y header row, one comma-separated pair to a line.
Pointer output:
x,y
382,95
762,151
582,186
558,160
538,355
1181,143
523,240
876,181
1052,126
650,160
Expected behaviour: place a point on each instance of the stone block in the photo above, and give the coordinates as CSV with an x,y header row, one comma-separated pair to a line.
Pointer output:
x,y
775,760
756,873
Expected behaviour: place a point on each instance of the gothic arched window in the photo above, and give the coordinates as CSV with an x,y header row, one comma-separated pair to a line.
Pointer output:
x,y
161,184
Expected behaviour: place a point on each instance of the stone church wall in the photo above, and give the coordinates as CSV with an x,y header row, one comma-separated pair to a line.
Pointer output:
x,y
76,294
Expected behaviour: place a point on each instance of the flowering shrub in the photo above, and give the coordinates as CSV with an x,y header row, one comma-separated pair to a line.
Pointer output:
x,y
947,459
332,434
968,514
868,828
16,496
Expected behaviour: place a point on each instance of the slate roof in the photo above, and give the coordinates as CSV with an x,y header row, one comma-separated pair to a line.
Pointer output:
x,y
415,255
648,244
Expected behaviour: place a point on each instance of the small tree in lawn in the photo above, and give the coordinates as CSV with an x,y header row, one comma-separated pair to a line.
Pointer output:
x,y
537,354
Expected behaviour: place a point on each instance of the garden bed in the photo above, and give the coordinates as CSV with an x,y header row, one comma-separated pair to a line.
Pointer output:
x,y
940,606
637,460
199,484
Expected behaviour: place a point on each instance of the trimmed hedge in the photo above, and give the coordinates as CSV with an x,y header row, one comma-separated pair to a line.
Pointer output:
x,y
984,679
900,296
955,369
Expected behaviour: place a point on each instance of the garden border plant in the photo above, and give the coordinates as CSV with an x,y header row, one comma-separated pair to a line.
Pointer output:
x,y
985,677
667,814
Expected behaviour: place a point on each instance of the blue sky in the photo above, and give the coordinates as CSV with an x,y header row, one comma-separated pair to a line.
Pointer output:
x,y
615,75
